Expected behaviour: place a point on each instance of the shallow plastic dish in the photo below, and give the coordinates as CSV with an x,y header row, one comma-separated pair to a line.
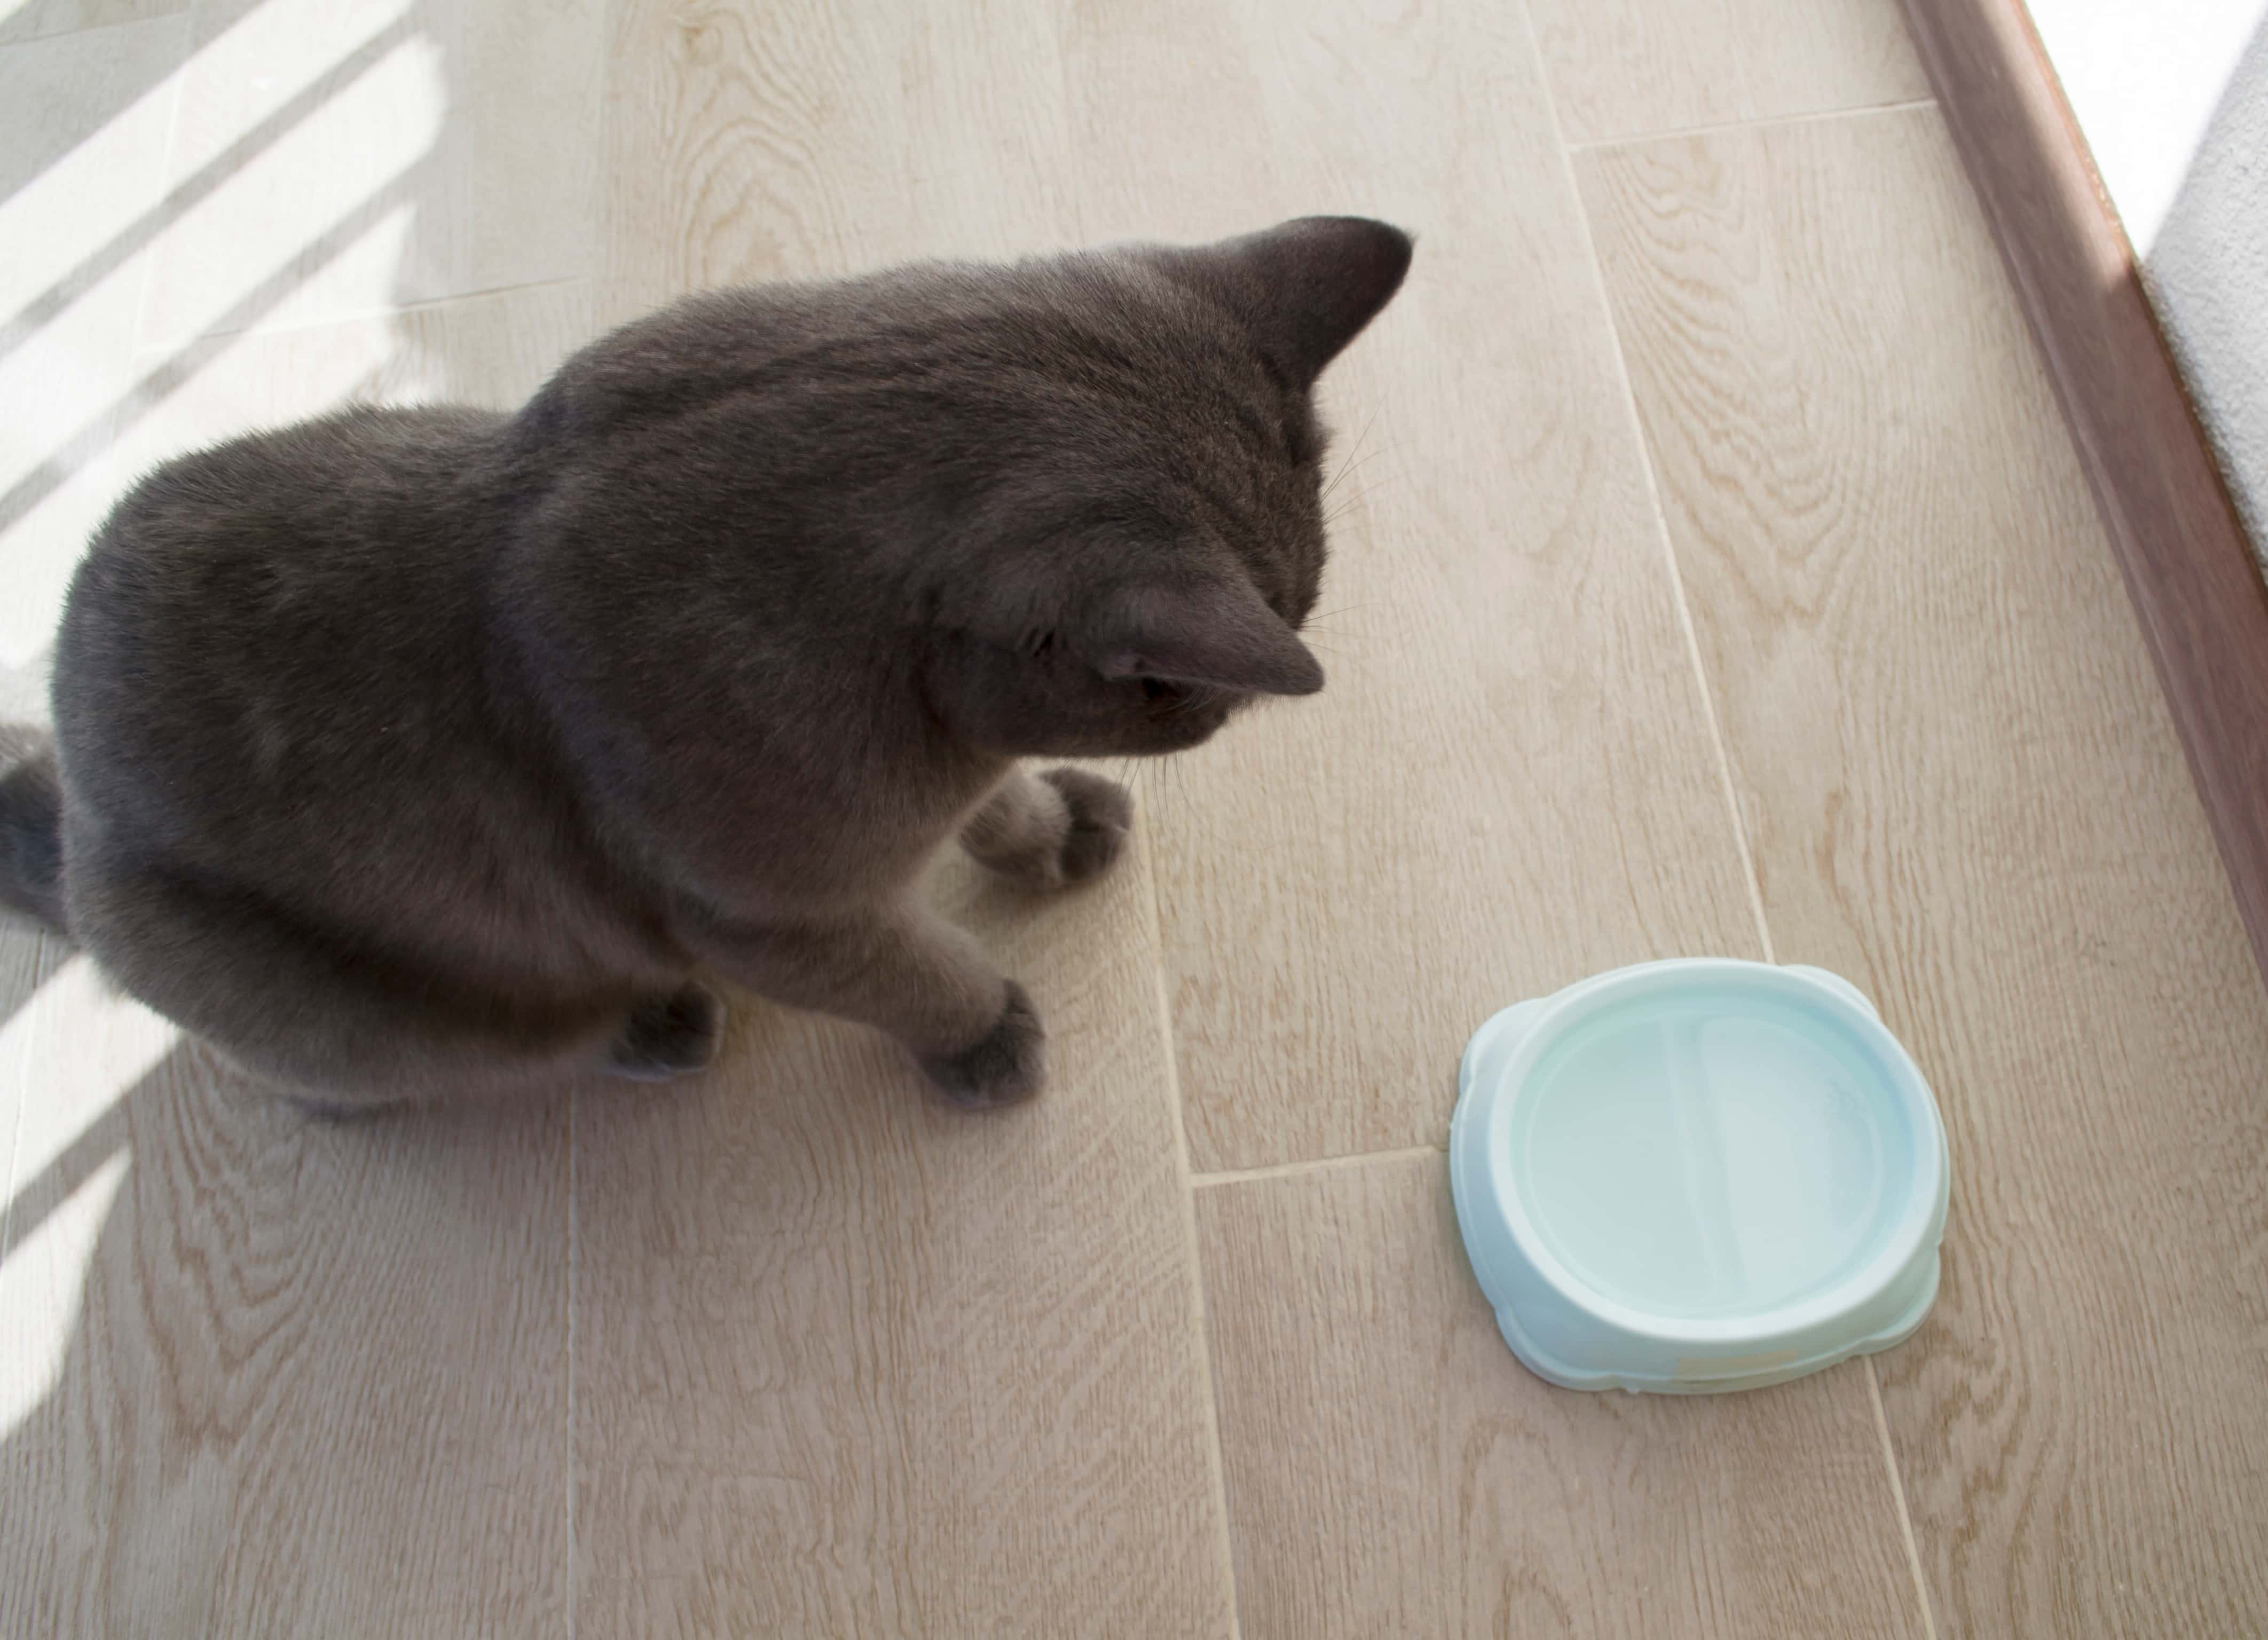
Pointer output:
x,y
1697,1175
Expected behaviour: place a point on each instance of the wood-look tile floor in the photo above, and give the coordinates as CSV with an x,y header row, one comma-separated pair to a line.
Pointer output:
x,y
1712,573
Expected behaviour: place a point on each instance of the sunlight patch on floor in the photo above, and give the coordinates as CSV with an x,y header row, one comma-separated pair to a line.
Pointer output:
x,y
349,146
41,1285
75,1048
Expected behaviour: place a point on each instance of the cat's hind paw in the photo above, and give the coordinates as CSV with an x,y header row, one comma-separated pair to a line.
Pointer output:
x,y
669,1036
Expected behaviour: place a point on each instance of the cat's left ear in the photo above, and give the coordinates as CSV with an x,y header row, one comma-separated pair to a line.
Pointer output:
x,y
1306,288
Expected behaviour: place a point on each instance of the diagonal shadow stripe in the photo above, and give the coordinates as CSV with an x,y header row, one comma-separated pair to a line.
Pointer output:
x,y
199,185
36,1201
108,423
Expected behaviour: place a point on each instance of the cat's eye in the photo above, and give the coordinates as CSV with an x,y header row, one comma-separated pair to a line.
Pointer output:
x,y
1155,689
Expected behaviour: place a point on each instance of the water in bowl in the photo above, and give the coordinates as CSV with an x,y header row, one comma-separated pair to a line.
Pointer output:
x,y
1710,1153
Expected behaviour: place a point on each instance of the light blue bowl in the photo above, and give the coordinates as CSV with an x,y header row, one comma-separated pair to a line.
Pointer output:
x,y
1697,1175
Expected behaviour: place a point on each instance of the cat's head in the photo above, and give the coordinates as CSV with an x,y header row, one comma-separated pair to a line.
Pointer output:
x,y
1139,537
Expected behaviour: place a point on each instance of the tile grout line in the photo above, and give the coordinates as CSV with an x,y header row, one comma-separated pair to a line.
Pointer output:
x,y
360,315
511,288
1318,1165
1637,425
1765,123
1898,1495
1216,1459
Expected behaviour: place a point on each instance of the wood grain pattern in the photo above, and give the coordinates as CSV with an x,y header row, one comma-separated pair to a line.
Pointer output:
x,y
1628,68
849,1363
1392,1469
2203,607
800,141
1962,792
1509,781
256,1368
29,958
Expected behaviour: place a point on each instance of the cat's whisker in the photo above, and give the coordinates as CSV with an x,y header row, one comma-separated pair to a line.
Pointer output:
x,y
1347,462
1352,463
1345,473
1348,503
1329,632
1163,791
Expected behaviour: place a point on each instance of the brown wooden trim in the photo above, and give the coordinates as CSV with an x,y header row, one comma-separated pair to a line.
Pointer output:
x,y
2200,599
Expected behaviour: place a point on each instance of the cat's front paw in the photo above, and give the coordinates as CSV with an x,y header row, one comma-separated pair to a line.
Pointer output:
x,y
1100,814
1006,1068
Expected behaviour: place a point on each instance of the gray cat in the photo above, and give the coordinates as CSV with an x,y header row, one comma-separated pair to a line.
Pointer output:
x,y
409,753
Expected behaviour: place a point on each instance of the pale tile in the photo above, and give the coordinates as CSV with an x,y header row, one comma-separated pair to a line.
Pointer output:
x,y
849,1363
29,958
801,142
269,1377
1393,1469
355,157
1623,67
1965,793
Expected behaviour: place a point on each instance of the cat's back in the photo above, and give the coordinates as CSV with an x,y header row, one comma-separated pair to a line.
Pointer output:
x,y
264,627
344,496
276,679
273,526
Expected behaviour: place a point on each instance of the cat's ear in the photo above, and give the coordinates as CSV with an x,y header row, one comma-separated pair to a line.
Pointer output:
x,y
1305,289
1211,631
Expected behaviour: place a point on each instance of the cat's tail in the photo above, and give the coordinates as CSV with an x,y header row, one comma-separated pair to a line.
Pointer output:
x,y
30,825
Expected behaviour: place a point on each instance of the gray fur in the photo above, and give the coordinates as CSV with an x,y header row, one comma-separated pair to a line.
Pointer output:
x,y
411,752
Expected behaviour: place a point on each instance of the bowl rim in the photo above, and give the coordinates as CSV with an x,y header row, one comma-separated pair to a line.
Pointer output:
x,y
1915,1231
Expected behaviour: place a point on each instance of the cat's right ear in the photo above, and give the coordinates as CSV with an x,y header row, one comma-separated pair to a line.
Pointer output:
x,y
1211,631
1305,289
